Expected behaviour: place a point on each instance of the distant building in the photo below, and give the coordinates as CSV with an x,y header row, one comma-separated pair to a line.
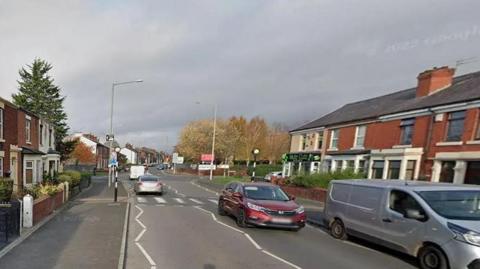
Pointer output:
x,y
130,154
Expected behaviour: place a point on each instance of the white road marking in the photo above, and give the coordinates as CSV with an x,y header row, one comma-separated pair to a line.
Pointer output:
x,y
181,194
213,201
160,200
203,188
282,260
180,201
196,201
254,243
140,235
141,200
152,263
139,214
160,205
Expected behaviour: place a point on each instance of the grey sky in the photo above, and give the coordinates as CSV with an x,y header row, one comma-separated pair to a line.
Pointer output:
x,y
288,61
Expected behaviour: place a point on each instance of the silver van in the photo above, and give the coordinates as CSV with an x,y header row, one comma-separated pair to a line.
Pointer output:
x,y
439,223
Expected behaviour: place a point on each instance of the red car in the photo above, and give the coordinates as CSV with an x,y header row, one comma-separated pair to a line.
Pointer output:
x,y
261,204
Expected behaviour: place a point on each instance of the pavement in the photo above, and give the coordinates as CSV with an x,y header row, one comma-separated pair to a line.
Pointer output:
x,y
86,234
181,229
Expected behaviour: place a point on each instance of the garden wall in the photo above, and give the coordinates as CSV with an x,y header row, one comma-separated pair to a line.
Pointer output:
x,y
317,194
45,206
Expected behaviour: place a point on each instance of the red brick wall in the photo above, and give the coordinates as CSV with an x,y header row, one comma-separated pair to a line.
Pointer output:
x,y
317,194
9,134
439,132
44,206
346,138
381,135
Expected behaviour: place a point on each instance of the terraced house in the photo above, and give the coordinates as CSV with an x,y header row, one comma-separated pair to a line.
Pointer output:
x,y
27,146
429,132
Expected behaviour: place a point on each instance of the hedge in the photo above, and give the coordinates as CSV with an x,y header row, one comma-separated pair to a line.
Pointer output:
x,y
322,179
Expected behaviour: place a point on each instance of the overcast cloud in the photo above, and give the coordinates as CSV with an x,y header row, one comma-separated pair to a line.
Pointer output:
x,y
288,61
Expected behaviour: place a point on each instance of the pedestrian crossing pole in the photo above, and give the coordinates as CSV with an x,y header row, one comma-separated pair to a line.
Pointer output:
x,y
115,172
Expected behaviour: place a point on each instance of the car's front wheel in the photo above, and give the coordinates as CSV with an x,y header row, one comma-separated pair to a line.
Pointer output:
x,y
221,209
431,257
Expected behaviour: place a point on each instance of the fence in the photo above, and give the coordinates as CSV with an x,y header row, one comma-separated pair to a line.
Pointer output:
x,y
9,220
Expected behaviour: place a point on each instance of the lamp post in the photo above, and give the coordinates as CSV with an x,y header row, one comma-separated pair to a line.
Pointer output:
x,y
213,137
110,136
255,153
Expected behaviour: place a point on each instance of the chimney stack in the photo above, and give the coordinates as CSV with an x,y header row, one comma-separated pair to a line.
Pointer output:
x,y
434,80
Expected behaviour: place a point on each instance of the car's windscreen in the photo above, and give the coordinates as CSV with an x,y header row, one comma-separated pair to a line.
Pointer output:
x,y
149,179
265,193
458,205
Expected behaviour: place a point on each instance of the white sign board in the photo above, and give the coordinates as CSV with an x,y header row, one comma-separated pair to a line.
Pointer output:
x,y
203,167
174,157
224,166
179,160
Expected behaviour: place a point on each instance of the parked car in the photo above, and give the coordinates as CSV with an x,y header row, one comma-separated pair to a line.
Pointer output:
x,y
137,171
268,177
439,223
161,166
261,204
148,184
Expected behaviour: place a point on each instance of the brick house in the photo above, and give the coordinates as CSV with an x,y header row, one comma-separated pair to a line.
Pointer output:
x,y
428,132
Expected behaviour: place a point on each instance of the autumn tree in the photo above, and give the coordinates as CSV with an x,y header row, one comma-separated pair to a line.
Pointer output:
x,y
277,142
255,137
82,154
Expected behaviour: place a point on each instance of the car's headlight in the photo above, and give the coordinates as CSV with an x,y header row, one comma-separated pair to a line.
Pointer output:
x,y
300,210
255,207
464,234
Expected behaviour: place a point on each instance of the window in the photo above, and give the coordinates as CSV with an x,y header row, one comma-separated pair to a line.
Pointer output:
x,y
406,133
1,123
28,172
377,169
401,201
361,166
304,141
366,197
351,164
50,137
410,171
360,136
338,166
394,169
319,140
28,135
327,165
334,143
456,122
447,173
41,134
341,192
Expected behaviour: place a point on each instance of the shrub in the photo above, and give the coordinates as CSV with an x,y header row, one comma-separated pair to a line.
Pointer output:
x,y
65,178
33,190
48,189
6,190
75,175
323,179
263,169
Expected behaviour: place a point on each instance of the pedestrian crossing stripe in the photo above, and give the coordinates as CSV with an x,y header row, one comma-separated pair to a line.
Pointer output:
x,y
196,201
213,201
180,201
160,200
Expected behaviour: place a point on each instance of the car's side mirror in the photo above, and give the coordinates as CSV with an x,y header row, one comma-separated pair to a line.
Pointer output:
x,y
415,214
237,195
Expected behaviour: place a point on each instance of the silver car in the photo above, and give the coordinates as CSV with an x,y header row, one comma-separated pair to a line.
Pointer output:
x,y
149,184
439,223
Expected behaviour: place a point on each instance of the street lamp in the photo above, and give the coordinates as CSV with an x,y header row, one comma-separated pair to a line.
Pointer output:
x,y
110,136
255,153
213,137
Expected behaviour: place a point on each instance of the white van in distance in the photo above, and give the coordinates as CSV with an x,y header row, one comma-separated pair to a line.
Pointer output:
x,y
439,223
136,171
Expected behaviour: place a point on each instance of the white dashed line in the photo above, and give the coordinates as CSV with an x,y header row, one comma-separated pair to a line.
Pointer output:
x,y
254,243
196,201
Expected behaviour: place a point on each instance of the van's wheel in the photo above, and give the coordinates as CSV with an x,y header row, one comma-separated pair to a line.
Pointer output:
x,y
431,257
221,209
337,230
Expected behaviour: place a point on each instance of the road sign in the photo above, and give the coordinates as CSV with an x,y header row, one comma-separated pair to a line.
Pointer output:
x,y
223,166
203,167
179,160
206,157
